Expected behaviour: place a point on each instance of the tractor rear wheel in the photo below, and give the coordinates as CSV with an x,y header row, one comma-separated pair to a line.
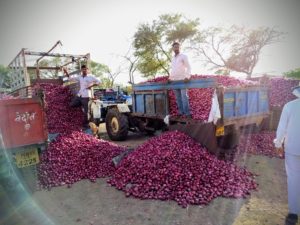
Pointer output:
x,y
116,125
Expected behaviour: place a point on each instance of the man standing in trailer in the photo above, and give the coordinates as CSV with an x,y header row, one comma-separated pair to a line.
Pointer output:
x,y
180,70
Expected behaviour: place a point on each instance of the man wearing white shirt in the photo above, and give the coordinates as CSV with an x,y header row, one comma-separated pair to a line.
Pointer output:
x,y
180,70
86,82
288,134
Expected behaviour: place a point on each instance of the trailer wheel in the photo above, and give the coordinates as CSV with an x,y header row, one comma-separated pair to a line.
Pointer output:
x,y
229,141
150,132
116,125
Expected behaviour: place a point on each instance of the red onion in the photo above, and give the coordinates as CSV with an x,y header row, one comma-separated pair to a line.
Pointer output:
x,y
4,96
173,166
61,118
200,99
254,143
76,156
172,104
281,91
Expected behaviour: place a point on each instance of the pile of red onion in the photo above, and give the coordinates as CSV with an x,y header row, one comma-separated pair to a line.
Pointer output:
x,y
281,91
200,99
76,156
227,81
61,118
258,144
254,143
173,166
158,79
172,104
4,96
199,109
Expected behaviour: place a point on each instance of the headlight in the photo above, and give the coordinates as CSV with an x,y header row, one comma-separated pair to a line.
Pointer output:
x,y
129,101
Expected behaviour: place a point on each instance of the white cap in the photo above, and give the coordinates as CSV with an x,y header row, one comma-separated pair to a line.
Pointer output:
x,y
296,91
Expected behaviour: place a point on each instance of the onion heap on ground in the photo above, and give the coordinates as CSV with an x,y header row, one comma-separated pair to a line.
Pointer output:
x,y
258,144
254,143
173,166
76,156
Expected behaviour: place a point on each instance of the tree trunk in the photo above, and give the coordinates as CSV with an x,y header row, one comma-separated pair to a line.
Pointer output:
x,y
249,75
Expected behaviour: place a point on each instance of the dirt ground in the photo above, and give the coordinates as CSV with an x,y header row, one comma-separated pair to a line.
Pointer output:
x,y
87,203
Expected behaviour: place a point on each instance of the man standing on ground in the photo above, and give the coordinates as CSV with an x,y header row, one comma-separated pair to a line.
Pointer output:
x,y
86,81
180,70
288,134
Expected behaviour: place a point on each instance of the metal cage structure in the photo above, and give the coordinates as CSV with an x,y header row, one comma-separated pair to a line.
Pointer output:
x,y
21,81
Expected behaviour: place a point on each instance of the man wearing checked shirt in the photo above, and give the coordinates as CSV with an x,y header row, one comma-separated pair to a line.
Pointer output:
x,y
86,81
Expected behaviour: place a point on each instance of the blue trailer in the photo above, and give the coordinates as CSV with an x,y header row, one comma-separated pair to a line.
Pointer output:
x,y
239,107
245,105
150,105
151,99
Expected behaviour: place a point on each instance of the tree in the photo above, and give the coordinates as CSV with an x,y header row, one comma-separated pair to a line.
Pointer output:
x,y
4,77
152,42
49,63
47,73
222,71
235,49
105,73
293,73
132,64
98,69
112,75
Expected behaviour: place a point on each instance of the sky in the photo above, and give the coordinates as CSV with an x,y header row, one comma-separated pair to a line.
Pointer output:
x,y
105,28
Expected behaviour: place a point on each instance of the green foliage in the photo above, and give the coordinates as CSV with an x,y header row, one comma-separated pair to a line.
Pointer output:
x,y
4,77
293,73
51,63
32,74
104,73
46,62
98,69
152,42
105,83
